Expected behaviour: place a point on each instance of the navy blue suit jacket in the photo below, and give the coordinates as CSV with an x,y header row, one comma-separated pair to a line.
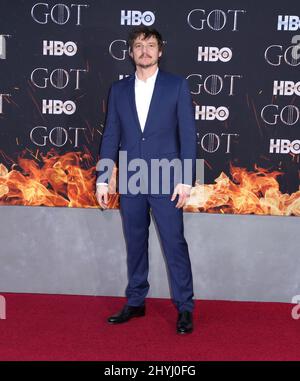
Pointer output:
x,y
169,132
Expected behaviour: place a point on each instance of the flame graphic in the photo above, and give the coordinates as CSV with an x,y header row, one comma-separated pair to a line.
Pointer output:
x,y
61,180
69,180
254,192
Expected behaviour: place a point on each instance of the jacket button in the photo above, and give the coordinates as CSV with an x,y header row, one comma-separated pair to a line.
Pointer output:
x,y
143,138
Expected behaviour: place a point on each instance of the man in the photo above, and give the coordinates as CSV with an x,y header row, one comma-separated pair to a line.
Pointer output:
x,y
150,116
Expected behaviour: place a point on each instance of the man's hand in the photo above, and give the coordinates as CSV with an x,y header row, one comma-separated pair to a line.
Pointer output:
x,y
102,195
184,192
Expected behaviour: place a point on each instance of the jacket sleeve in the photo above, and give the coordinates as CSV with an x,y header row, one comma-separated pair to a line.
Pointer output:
x,y
110,142
187,134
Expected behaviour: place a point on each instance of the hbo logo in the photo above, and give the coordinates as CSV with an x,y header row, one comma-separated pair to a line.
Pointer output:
x,y
214,54
56,106
58,48
211,113
286,88
284,146
288,22
137,18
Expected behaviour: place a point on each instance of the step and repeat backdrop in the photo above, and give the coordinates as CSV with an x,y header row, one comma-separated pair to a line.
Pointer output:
x,y
241,59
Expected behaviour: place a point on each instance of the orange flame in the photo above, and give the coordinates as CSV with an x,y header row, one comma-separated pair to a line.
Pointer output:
x,y
62,180
249,193
69,180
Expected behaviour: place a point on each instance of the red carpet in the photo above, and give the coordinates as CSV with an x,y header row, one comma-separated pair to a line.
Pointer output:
x,y
57,327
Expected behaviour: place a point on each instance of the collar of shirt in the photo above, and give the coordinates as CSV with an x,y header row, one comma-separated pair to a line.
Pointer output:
x,y
149,80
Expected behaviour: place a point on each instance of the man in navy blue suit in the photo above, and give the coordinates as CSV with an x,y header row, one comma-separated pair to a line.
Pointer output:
x,y
150,117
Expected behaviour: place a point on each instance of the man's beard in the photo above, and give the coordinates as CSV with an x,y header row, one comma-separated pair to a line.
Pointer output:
x,y
146,66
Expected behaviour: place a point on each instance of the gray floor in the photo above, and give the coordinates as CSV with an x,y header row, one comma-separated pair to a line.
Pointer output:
x,y
82,251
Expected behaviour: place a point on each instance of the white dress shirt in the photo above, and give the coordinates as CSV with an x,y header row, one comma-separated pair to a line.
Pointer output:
x,y
143,94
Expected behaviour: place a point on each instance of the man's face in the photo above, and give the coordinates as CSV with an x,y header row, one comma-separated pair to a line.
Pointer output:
x,y
145,53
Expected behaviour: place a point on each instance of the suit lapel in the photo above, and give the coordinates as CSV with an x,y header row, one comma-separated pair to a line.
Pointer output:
x,y
132,102
154,104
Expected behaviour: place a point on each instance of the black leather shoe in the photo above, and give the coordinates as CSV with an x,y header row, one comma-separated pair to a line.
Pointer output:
x,y
185,322
127,313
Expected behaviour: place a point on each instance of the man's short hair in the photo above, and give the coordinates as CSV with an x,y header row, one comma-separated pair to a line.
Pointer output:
x,y
147,32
